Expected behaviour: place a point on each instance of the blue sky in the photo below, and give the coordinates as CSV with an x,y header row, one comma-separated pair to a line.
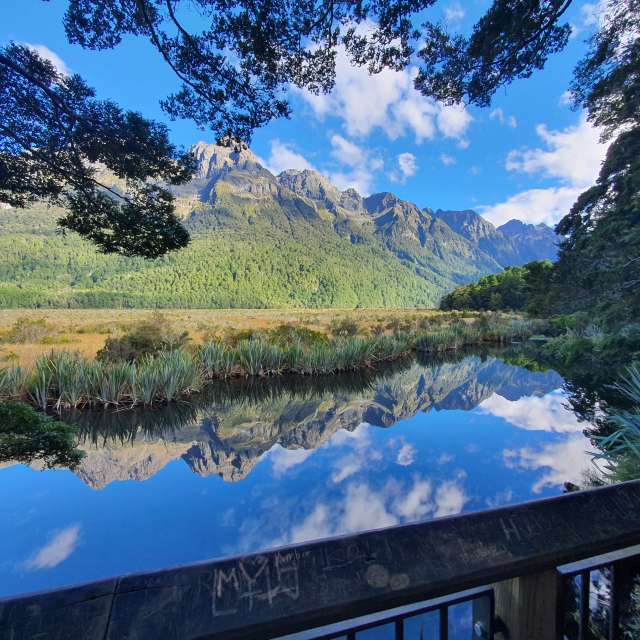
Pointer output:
x,y
527,156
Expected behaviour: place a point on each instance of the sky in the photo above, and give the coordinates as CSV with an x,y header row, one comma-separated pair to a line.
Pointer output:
x,y
527,156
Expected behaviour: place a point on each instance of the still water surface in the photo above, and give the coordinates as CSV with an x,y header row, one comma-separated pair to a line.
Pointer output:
x,y
250,466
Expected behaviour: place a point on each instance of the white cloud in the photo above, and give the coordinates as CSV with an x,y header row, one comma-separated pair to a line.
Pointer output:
x,y
450,499
415,504
407,167
363,508
533,206
52,57
346,467
362,166
406,455
546,413
499,115
56,551
564,461
454,120
284,459
594,13
284,157
386,101
359,179
573,155
447,160
454,12
347,152
566,99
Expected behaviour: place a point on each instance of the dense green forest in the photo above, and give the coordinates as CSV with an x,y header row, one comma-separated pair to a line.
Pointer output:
x,y
220,268
523,288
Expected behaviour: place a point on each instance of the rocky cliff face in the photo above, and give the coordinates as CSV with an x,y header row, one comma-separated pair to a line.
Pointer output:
x,y
229,439
441,243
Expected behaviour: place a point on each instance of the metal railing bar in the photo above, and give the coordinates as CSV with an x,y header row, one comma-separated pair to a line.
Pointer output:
x,y
585,584
399,630
444,622
599,561
614,603
339,629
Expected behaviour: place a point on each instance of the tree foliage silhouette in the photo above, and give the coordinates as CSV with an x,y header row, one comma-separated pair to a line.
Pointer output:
x,y
235,61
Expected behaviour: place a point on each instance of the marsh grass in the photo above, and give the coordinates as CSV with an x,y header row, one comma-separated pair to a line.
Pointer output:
x,y
12,382
69,380
621,448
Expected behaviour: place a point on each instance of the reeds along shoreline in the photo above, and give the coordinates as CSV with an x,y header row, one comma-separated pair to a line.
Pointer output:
x,y
67,380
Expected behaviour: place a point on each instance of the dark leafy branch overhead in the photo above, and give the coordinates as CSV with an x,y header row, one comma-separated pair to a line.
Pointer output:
x,y
235,61
235,71
56,139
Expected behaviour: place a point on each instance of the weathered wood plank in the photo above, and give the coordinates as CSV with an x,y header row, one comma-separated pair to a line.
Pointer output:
x,y
296,587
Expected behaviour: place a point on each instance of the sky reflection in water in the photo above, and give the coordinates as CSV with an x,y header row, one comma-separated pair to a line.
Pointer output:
x,y
255,472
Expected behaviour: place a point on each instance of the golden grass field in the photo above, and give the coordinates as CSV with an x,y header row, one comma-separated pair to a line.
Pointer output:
x,y
86,330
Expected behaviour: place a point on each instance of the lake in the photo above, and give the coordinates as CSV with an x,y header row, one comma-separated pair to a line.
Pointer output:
x,y
251,465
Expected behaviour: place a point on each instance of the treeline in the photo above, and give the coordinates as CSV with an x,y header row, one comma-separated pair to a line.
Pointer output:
x,y
525,288
220,269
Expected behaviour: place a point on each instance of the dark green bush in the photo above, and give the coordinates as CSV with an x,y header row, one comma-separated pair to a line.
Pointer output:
x,y
146,338
287,335
27,436
344,327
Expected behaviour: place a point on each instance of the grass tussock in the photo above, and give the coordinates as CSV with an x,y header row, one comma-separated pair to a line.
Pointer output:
x,y
69,380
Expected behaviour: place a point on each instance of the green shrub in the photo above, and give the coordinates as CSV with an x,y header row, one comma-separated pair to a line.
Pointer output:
x,y
28,330
27,436
146,338
344,327
286,335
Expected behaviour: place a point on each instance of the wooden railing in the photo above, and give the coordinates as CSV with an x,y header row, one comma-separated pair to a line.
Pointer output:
x,y
515,555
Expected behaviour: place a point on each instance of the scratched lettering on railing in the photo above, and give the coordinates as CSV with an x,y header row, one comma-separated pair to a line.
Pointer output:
x,y
255,580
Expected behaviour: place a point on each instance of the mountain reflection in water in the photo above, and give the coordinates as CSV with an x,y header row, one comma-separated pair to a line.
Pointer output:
x,y
228,429
250,465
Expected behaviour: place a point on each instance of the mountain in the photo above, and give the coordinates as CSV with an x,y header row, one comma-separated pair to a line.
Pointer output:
x,y
260,240
512,244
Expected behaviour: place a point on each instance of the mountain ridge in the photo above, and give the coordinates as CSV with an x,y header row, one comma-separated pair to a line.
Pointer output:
x,y
260,240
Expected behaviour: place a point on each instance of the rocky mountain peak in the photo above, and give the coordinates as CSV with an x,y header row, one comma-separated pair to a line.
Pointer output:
x,y
309,184
214,158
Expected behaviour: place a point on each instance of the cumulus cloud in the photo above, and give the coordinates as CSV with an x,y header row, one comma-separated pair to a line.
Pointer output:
x,y
564,461
499,115
361,165
283,157
406,455
450,499
51,56
533,205
454,12
56,551
407,165
284,459
345,467
386,101
363,508
572,155
447,160
546,413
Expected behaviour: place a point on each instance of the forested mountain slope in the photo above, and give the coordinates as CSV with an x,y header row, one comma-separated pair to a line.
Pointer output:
x,y
260,240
